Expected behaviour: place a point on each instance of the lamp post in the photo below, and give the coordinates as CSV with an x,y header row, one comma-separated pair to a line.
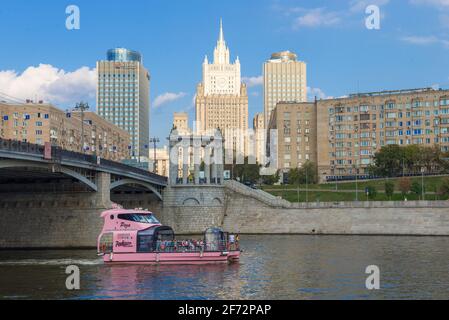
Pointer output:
x,y
422,184
356,183
81,107
307,186
154,141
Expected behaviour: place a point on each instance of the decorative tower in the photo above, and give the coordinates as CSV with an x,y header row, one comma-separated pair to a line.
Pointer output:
x,y
222,99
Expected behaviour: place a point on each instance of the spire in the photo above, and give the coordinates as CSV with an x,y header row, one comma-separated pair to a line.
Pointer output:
x,y
221,52
221,38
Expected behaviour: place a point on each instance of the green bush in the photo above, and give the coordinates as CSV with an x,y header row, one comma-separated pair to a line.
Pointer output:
x,y
389,189
416,188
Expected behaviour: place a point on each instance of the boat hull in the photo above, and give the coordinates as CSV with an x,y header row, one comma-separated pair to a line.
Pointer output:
x,y
172,258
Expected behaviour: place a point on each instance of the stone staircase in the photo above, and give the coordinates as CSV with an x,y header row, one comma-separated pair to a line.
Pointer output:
x,y
257,194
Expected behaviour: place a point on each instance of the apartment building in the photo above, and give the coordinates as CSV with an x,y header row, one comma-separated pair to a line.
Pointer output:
x,y
342,135
296,132
39,123
352,129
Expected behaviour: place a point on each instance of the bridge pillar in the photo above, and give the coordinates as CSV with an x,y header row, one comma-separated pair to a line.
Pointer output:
x,y
174,162
185,162
103,182
207,161
214,172
197,158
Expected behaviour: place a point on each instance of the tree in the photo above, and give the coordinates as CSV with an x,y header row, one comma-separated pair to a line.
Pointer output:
x,y
247,172
411,158
270,180
444,162
294,176
416,188
389,160
308,173
405,186
389,189
393,160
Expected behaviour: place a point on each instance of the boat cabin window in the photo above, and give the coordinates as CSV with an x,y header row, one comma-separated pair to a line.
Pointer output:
x,y
215,239
140,218
147,240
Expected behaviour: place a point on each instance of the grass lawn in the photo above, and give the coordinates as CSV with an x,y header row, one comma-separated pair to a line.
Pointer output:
x,y
329,193
332,196
431,184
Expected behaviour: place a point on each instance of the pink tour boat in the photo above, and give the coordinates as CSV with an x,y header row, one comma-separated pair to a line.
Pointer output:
x,y
136,236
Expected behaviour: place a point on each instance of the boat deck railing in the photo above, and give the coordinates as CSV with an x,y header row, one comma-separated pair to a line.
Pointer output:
x,y
194,246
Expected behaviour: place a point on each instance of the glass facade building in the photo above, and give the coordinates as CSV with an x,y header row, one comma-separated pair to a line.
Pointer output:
x,y
123,96
123,55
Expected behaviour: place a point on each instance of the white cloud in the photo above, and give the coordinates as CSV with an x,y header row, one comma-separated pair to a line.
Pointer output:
x,y
361,5
440,4
253,81
425,40
317,17
322,17
50,84
315,92
167,98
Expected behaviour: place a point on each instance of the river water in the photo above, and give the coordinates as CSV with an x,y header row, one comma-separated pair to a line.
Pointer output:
x,y
272,267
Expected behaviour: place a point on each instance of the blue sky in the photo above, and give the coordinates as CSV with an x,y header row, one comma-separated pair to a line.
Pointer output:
x,y
40,58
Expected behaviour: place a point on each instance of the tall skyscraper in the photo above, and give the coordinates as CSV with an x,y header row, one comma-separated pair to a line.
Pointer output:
x,y
285,80
222,99
123,96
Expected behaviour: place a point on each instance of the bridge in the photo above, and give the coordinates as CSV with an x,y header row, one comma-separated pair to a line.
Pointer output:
x,y
27,163
36,180
52,198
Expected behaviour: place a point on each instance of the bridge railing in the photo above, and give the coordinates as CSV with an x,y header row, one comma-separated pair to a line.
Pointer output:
x,y
19,146
59,155
125,167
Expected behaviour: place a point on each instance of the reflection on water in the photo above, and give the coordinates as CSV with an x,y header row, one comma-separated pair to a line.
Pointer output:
x,y
272,267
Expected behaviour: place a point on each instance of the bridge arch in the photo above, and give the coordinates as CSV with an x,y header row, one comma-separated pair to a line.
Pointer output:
x,y
64,170
123,182
191,202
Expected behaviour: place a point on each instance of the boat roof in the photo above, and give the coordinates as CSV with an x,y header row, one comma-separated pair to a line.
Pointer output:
x,y
125,211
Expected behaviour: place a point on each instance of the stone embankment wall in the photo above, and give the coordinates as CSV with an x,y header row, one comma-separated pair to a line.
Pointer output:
x,y
192,209
240,209
36,220
256,212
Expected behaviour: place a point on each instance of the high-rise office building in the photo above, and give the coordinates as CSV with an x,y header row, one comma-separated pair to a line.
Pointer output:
x,y
222,99
123,96
285,80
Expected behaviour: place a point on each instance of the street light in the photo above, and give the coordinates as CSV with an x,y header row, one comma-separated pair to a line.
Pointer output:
x,y
81,107
356,183
307,186
422,184
154,141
